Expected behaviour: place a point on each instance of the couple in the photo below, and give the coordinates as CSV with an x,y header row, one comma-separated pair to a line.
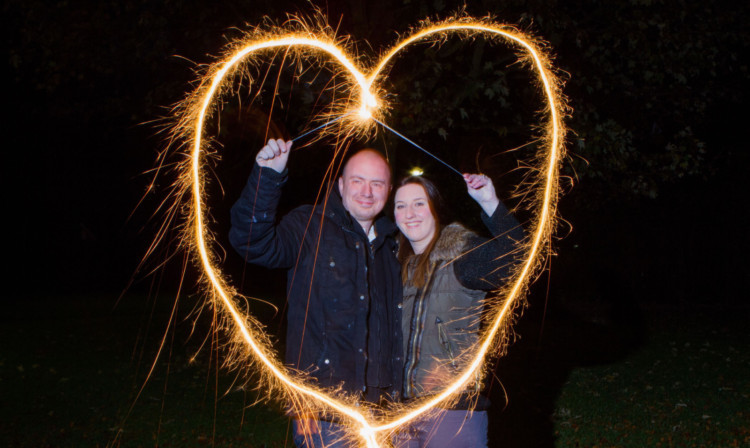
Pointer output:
x,y
387,317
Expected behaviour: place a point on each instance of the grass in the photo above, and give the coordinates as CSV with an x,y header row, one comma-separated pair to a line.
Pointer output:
x,y
71,368
688,386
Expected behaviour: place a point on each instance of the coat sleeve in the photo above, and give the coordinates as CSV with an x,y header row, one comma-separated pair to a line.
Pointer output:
x,y
488,262
254,234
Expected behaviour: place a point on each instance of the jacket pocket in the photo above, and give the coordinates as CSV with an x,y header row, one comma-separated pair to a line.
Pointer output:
x,y
445,341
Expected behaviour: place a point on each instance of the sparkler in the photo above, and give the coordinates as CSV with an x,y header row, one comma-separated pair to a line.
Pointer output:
x,y
417,146
322,126
358,111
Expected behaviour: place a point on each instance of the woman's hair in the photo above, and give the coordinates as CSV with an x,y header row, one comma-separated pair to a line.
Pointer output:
x,y
405,251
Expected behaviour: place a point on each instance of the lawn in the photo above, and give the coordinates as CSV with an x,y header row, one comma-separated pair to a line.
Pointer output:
x,y
71,370
688,386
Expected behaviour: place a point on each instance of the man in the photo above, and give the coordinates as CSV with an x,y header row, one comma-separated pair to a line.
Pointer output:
x,y
344,284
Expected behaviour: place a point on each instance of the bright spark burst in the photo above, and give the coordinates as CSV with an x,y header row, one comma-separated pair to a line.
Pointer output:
x,y
363,102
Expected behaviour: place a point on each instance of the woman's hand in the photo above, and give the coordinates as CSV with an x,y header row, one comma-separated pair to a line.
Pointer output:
x,y
482,190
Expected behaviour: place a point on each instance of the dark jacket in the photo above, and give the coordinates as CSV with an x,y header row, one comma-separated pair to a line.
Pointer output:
x,y
441,320
344,327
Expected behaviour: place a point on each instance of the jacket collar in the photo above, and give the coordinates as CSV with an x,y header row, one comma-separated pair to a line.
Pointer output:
x,y
334,210
451,242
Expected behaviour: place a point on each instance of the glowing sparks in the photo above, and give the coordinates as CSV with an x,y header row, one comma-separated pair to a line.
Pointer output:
x,y
416,171
364,103
364,113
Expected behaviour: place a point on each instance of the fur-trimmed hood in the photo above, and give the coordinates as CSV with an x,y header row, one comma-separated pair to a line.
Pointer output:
x,y
451,242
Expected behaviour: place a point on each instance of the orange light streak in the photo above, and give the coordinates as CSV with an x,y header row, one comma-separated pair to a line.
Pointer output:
x,y
366,104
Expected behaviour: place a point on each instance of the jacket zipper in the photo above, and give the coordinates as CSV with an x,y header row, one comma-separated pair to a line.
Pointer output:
x,y
417,328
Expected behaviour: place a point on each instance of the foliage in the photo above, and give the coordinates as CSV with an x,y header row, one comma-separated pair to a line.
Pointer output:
x,y
647,78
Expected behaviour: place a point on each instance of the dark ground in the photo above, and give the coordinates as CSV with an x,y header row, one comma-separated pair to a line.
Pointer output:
x,y
577,376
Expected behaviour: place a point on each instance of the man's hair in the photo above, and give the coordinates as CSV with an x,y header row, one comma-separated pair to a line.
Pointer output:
x,y
349,155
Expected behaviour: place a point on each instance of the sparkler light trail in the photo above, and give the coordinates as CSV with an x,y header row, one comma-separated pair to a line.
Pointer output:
x,y
358,109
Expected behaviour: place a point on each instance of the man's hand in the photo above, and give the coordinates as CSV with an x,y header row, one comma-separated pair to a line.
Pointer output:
x,y
307,426
482,190
274,155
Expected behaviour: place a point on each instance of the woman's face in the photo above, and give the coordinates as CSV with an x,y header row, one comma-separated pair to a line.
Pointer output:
x,y
414,217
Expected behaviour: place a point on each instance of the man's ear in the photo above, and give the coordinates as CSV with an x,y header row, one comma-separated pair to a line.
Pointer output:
x,y
341,186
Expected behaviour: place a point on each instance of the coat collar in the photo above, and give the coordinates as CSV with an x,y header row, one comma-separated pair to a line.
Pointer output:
x,y
451,242
334,210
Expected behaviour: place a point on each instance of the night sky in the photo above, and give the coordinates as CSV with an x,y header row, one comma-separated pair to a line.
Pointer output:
x,y
660,219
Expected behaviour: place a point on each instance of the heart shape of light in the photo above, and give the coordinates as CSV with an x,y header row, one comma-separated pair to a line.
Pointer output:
x,y
361,105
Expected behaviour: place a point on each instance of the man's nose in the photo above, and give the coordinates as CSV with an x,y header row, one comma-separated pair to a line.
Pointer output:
x,y
367,189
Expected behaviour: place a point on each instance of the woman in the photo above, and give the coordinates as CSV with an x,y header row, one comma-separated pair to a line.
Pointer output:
x,y
446,273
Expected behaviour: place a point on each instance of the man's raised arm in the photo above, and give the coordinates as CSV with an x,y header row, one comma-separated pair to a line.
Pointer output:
x,y
254,233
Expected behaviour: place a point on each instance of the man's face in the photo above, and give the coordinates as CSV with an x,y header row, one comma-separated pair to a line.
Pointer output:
x,y
365,186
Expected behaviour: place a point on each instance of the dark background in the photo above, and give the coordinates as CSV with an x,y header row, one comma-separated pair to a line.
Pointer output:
x,y
653,211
